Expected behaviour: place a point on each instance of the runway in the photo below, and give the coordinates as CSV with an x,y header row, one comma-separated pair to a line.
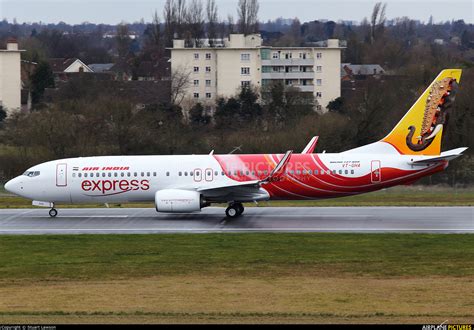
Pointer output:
x,y
254,219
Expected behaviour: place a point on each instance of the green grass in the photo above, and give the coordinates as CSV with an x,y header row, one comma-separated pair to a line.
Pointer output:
x,y
134,256
396,196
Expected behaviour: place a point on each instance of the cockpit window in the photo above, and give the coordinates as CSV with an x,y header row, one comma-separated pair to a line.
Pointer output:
x,y
32,173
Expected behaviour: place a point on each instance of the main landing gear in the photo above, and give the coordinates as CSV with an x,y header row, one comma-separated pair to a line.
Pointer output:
x,y
234,210
53,212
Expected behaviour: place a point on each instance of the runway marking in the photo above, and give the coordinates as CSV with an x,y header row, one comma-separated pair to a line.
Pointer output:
x,y
81,216
236,230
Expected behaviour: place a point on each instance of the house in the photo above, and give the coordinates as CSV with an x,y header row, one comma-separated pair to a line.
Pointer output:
x,y
64,67
348,70
243,61
100,67
10,77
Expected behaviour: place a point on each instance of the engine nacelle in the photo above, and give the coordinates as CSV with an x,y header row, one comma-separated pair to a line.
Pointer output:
x,y
177,201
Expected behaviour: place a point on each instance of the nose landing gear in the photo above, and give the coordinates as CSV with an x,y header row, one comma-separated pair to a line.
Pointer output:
x,y
234,210
53,212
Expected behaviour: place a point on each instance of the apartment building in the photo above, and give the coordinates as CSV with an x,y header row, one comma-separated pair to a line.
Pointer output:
x,y
242,60
10,77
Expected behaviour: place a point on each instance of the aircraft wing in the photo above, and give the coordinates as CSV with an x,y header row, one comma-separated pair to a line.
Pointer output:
x,y
250,184
246,190
446,155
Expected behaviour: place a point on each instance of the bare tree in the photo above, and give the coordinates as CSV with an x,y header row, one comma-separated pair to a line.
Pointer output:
x,y
180,16
247,11
154,31
212,20
377,20
194,23
123,39
230,24
169,16
180,80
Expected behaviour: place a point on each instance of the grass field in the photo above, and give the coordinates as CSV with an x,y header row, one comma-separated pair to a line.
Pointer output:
x,y
396,196
233,278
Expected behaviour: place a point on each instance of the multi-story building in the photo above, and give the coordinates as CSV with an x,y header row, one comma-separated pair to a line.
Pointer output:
x,y
10,77
220,71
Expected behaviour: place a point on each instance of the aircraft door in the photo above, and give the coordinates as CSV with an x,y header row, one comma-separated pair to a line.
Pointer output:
x,y
376,172
61,175
197,175
208,174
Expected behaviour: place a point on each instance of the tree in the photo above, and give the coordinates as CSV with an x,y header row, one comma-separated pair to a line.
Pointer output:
x,y
377,20
197,117
123,40
212,20
41,79
3,114
169,22
194,23
153,32
247,11
180,80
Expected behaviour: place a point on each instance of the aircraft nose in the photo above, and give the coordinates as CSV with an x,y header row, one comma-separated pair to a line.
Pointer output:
x,y
13,186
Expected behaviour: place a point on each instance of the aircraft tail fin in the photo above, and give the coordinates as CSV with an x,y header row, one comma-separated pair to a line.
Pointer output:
x,y
420,131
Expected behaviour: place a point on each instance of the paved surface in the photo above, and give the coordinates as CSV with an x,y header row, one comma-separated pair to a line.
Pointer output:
x,y
255,219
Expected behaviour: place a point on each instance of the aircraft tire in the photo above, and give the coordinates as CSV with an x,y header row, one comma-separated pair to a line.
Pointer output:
x,y
53,213
232,211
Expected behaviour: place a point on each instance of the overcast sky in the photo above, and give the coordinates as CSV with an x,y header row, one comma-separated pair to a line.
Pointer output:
x,y
115,11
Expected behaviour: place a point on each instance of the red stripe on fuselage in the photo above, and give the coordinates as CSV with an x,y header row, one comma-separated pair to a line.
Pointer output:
x,y
303,186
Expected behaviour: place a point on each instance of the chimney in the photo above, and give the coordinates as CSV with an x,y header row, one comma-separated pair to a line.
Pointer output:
x,y
12,44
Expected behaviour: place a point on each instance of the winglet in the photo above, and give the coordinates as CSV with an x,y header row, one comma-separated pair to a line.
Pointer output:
x,y
280,168
310,146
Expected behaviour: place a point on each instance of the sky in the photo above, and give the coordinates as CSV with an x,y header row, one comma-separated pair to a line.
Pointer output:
x,y
116,11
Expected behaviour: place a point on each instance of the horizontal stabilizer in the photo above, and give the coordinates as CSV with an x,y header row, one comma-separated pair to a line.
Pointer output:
x,y
446,155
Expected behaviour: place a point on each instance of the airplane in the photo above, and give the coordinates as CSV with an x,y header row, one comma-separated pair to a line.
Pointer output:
x,y
189,183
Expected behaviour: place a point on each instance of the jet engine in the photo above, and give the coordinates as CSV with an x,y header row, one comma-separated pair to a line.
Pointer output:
x,y
178,200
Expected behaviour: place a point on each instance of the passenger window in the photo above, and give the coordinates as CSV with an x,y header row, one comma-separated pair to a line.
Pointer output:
x,y
97,174
298,172
346,172
103,175
216,173
109,175
129,174
85,175
122,174
333,171
79,175
147,173
115,174
143,174
315,172
180,173
167,173
154,173
135,174
185,173
73,175
352,171
247,173
340,171
223,173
